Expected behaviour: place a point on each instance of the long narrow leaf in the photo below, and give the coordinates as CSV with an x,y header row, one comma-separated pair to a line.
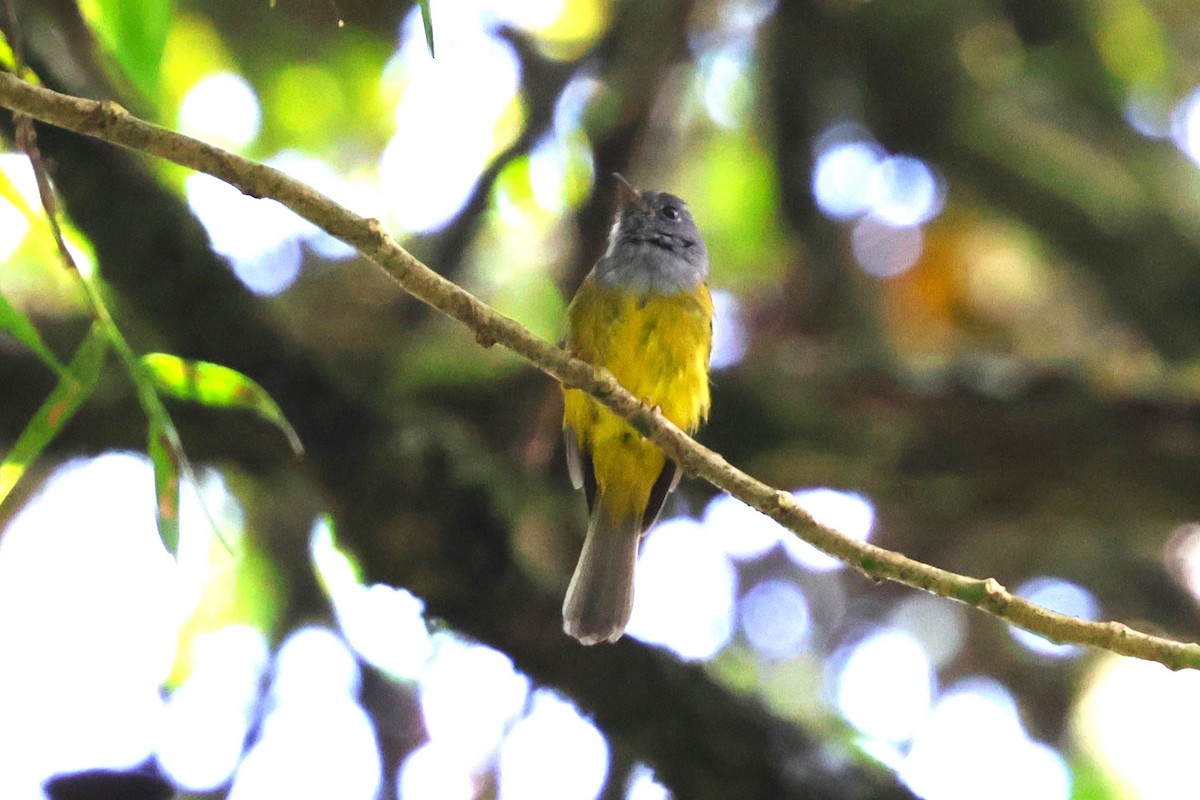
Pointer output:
x,y
427,21
215,386
72,389
14,322
166,455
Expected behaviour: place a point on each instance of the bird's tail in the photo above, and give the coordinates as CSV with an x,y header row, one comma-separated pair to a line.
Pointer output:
x,y
600,596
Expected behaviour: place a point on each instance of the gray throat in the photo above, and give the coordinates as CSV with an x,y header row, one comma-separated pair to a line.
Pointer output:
x,y
640,266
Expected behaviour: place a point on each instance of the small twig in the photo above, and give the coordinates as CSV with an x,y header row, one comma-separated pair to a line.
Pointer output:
x,y
110,122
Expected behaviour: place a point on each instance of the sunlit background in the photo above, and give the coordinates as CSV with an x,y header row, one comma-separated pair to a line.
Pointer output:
x,y
185,665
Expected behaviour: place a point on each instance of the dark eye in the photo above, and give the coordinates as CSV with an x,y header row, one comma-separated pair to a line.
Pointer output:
x,y
670,212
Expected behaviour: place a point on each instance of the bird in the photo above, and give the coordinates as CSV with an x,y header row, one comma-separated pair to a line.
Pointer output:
x,y
644,312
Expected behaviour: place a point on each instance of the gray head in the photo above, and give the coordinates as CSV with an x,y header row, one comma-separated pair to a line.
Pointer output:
x,y
654,244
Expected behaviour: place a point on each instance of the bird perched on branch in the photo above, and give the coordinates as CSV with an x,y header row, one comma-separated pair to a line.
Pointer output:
x,y
645,314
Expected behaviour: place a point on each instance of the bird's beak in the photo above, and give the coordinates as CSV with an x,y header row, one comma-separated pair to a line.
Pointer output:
x,y
627,196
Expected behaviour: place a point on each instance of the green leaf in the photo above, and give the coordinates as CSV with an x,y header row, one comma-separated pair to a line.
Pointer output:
x,y
16,324
166,455
427,21
72,389
215,386
135,33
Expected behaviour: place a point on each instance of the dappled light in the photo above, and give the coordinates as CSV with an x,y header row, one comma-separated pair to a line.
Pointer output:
x,y
435,772
222,108
315,734
552,753
952,256
258,238
775,618
997,760
940,628
848,513
844,173
729,331
385,626
470,694
644,786
1135,723
430,166
884,685
1058,595
87,639
1181,556
209,716
683,590
1185,126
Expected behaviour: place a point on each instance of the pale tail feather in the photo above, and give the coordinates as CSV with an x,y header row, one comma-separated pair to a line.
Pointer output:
x,y
600,596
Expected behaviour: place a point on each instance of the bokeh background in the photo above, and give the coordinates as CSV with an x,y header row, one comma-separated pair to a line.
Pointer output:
x,y
956,255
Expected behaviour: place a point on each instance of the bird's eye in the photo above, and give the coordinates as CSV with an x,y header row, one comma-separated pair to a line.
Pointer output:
x,y
670,212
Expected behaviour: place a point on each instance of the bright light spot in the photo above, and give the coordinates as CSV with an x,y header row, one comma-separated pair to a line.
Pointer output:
x,y
259,237
201,506
560,171
431,165
313,660
853,175
997,761
435,772
904,192
1137,721
552,754
729,332
1185,126
316,741
843,178
13,227
938,625
13,222
208,716
221,109
17,168
334,568
775,618
324,747
1058,595
469,694
643,785
743,532
725,85
743,16
1182,556
573,102
318,174
885,251
885,685
89,611
1148,113
531,15
82,255
384,625
683,590
848,513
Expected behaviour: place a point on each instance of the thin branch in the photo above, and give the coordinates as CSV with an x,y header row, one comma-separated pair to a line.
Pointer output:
x,y
108,121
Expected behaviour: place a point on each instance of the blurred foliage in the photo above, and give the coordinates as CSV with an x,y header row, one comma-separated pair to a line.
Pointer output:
x,y
134,33
76,382
1013,379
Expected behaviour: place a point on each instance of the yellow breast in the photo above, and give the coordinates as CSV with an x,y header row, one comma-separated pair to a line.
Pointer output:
x,y
656,346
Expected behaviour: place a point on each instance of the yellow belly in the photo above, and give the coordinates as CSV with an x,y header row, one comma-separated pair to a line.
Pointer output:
x,y
656,346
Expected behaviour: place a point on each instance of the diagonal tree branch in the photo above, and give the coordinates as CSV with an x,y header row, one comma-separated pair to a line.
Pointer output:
x,y
108,121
